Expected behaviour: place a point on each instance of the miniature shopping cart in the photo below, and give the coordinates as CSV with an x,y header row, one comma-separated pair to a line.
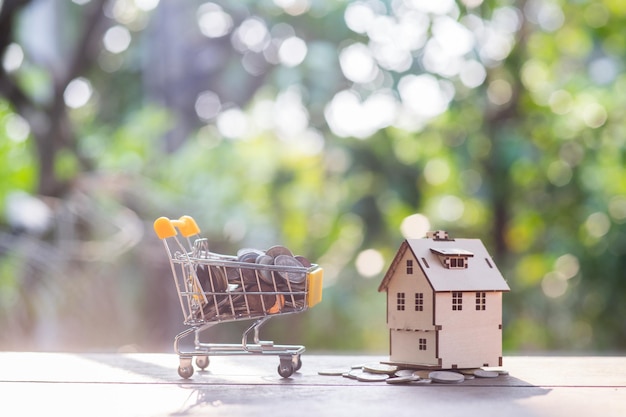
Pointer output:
x,y
214,288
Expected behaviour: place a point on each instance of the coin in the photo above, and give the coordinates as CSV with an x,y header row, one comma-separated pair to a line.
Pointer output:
x,y
289,261
370,377
353,373
202,272
481,373
218,281
332,372
404,372
232,275
423,381
266,274
402,379
380,368
446,377
304,261
248,253
278,250
260,299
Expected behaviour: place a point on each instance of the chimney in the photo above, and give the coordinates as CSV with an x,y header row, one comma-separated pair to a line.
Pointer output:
x,y
438,235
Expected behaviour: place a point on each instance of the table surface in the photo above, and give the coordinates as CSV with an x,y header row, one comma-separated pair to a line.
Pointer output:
x,y
70,384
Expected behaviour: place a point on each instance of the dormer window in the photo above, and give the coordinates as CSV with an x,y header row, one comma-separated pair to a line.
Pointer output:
x,y
457,263
452,258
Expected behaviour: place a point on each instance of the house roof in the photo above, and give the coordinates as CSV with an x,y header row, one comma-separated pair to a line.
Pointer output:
x,y
482,274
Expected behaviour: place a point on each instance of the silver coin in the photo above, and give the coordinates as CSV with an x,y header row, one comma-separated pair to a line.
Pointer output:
x,y
266,274
370,377
278,250
353,373
423,381
296,277
248,256
304,261
405,372
380,368
481,373
402,379
446,377
332,372
243,251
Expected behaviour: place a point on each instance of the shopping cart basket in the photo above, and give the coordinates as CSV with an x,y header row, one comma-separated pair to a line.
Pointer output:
x,y
214,288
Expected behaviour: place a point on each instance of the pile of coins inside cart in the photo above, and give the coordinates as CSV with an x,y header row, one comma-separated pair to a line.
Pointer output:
x,y
391,374
255,283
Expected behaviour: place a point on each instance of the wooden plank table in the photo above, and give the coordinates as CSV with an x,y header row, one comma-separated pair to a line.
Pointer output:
x,y
119,385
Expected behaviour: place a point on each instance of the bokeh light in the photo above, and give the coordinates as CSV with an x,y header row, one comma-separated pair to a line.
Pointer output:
x,y
13,58
415,226
213,21
78,93
369,263
117,39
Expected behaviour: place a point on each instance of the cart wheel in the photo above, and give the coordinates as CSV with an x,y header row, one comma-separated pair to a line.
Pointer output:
x,y
185,371
202,362
285,370
298,362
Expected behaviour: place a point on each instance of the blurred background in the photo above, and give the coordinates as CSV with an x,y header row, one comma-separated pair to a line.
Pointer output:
x,y
336,128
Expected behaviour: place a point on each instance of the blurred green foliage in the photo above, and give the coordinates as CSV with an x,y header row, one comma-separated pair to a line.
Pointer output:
x,y
527,154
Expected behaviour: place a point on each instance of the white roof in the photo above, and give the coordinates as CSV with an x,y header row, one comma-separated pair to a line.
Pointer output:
x,y
482,274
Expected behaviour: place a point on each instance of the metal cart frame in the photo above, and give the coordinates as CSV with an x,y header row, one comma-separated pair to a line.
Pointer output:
x,y
214,288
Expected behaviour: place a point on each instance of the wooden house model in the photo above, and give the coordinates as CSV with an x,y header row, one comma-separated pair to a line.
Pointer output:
x,y
444,304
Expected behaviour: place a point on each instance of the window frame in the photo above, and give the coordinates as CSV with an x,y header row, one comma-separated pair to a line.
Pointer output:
x,y
481,301
422,344
400,301
457,300
409,266
419,301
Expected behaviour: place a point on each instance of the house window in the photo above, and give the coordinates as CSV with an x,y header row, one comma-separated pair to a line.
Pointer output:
x,y
400,301
481,301
419,301
409,266
457,301
422,344
457,263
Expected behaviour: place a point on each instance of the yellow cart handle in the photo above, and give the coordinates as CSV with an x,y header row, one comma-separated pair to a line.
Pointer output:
x,y
165,227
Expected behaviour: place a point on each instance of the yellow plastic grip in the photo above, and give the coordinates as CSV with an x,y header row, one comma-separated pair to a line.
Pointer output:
x,y
165,227
315,283
187,226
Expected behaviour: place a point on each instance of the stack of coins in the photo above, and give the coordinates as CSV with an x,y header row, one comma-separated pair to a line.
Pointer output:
x,y
274,282
378,372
